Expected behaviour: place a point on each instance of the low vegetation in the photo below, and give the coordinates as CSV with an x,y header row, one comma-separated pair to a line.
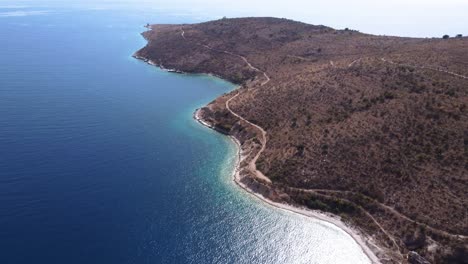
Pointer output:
x,y
371,128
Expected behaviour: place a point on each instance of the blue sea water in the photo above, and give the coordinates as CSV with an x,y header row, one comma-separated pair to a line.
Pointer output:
x,y
101,161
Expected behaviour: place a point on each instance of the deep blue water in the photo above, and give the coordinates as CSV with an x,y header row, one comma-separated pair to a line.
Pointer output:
x,y
101,161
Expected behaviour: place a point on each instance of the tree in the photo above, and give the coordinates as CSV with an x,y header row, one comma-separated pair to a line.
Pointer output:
x,y
459,36
446,37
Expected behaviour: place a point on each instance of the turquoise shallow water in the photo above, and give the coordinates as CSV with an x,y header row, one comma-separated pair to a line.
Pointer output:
x,y
101,161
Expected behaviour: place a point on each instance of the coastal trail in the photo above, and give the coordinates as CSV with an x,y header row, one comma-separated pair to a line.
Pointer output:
x,y
252,164
389,208
389,236
265,75
426,68
353,62
260,175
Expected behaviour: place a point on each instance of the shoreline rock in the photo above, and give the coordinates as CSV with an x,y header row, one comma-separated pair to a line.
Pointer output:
x,y
264,193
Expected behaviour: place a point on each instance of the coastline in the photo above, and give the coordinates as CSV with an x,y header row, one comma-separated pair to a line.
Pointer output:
x,y
161,67
312,158
356,235
333,220
152,63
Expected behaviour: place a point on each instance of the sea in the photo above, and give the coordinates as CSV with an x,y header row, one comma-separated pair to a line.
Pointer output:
x,y
101,160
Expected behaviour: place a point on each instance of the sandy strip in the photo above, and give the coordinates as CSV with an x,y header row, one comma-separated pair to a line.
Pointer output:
x,y
302,211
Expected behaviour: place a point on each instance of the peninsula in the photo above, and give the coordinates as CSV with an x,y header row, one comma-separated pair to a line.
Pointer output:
x,y
372,129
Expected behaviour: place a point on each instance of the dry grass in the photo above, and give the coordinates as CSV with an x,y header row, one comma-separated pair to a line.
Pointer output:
x,y
338,117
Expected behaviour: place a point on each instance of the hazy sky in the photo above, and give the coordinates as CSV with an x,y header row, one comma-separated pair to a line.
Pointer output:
x,y
425,18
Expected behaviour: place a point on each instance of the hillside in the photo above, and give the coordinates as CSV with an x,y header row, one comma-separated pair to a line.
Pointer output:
x,y
371,128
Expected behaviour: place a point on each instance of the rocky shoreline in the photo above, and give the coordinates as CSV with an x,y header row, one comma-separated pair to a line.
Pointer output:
x,y
324,113
153,63
266,192
252,187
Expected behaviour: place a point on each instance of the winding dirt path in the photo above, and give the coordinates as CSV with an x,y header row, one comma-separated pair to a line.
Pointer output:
x,y
425,67
267,78
389,208
355,61
253,163
376,223
298,57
